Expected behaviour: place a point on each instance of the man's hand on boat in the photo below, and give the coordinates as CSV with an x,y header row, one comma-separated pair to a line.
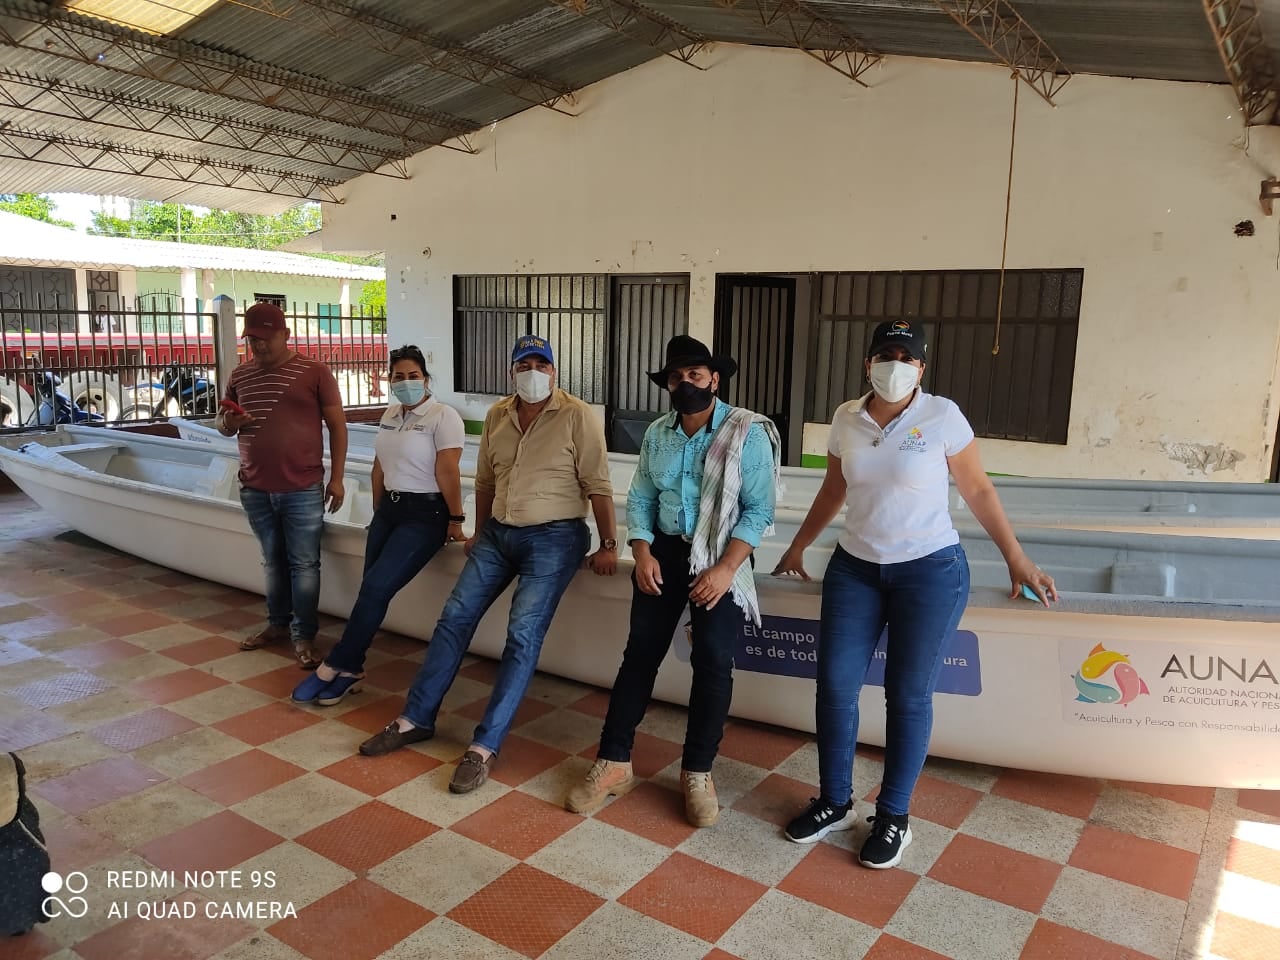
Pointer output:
x,y
791,564
334,494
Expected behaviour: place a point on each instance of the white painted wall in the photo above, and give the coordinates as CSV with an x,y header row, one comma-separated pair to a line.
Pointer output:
x,y
768,161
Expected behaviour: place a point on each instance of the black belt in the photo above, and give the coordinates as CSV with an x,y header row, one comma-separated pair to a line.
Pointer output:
x,y
395,495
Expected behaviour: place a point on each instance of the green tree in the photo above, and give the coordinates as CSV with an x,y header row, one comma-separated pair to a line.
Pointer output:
x,y
37,206
373,298
150,220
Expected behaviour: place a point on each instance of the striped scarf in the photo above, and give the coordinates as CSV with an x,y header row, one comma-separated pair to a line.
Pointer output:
x,y
718,510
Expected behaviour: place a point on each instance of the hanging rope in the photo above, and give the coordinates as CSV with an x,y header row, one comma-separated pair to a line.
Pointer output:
x,y
1008,202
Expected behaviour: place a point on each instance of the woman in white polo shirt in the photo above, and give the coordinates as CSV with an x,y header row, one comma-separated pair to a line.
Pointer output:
x,y
898,564
417,498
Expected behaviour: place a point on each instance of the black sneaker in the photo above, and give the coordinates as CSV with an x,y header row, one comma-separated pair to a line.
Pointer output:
x,y
821,817
883,847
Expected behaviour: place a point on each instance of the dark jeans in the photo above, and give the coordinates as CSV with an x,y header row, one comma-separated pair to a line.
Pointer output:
x,y
288,527
404,535
542,559
921,601
654,620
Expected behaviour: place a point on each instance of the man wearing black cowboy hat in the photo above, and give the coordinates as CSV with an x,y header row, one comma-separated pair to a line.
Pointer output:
x,y
701,498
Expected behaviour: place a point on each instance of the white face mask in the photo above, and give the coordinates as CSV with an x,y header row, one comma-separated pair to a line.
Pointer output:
x,y
533,386
892,380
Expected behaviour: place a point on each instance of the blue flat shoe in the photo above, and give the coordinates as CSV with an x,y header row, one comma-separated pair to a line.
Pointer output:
x,y
338,688
309,689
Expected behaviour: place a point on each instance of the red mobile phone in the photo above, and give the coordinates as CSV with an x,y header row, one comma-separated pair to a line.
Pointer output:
x,y
233,407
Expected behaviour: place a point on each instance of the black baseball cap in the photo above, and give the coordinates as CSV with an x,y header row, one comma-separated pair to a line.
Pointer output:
x,y
899,333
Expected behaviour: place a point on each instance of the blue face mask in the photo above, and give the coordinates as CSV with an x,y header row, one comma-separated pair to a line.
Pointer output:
x,y
409,392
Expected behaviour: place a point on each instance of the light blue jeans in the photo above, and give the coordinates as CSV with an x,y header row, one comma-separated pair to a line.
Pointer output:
x,y
921,602
288,528
542,559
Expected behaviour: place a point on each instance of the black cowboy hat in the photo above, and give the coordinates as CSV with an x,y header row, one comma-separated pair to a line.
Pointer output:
x,y
684,351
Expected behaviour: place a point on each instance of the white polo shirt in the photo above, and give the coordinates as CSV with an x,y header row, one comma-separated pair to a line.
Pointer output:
x,y
897,477
406,444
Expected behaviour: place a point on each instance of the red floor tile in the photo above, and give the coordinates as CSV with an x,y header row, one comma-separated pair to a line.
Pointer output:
x,y
1251,860
1073,796
484,671
267,723
651,812
137,730
73,846
35,945
777,799
529,709
1235,938
63,688
522,760
377,775
829,877
212,647
219,842
30,728
98,783
1144,863
359,921
891,948
176,686
1260,801
396,645
693,896
366,836
517,824
526,910
241,777
760,744
278,683
1049,941
1201,797
997,873
394,676
66,602
594,704
649,754
96,654
159,599
172,578
939,801
179,939
236,618
132,623
234,598
375,715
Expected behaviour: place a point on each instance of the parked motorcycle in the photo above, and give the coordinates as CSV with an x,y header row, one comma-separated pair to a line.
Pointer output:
x,y
180,391
54,406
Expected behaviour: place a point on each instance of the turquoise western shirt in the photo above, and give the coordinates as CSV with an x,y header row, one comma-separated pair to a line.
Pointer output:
x,y
666,487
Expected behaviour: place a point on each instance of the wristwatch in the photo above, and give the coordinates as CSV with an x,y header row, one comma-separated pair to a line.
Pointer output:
x,y
609,544
462,518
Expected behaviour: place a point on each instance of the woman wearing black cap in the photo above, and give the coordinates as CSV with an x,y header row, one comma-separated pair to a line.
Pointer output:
x,y
898,564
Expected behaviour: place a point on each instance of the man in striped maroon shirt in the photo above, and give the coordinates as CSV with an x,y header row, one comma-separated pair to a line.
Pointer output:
x,y
285,397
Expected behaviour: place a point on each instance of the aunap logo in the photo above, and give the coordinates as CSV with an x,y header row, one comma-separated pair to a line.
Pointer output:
x,y
1108,677
73,906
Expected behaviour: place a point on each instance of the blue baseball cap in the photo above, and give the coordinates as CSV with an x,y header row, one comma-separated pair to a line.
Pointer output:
x,y
531,346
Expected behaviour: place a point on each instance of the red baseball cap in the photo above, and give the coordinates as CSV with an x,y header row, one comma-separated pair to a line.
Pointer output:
x,y
263,319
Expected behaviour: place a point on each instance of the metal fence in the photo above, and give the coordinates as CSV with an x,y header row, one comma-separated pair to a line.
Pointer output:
x,y
149,359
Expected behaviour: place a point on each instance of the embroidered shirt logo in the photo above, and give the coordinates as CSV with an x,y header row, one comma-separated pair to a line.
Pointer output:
x,y
914,441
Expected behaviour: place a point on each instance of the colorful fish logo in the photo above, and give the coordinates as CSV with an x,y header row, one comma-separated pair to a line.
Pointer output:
x,y
915,434
900,325
1094,686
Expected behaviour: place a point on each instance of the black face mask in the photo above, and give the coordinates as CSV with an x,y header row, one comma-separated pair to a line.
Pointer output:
x,y
690,399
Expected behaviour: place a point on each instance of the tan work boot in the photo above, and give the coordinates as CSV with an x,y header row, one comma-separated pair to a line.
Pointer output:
x,y
605,778
701,808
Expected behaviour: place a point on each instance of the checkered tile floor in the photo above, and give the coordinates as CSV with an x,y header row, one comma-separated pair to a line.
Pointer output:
x,y
154,745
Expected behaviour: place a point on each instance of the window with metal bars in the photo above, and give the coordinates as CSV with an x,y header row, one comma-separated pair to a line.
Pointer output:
x,y
570,310
1021,393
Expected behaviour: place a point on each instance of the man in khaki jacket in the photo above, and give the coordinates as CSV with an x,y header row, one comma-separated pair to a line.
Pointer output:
x,y
542,462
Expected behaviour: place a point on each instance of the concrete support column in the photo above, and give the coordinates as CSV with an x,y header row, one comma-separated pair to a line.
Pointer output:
x,y
189,294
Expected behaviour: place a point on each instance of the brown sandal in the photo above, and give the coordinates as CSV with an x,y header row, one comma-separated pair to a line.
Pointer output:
x,y
265,637
305,651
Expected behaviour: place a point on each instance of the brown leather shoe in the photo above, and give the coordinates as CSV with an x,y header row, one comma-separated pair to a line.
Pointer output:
x,y
267,635
472,772
393,738
606,778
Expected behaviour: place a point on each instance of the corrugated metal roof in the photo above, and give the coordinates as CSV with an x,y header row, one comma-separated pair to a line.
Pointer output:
x,y
1161,39
23,240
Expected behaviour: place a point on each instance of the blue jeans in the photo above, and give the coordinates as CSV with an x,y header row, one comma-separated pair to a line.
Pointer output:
x,y
544,557
403,537
288,527
921,602
653,623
